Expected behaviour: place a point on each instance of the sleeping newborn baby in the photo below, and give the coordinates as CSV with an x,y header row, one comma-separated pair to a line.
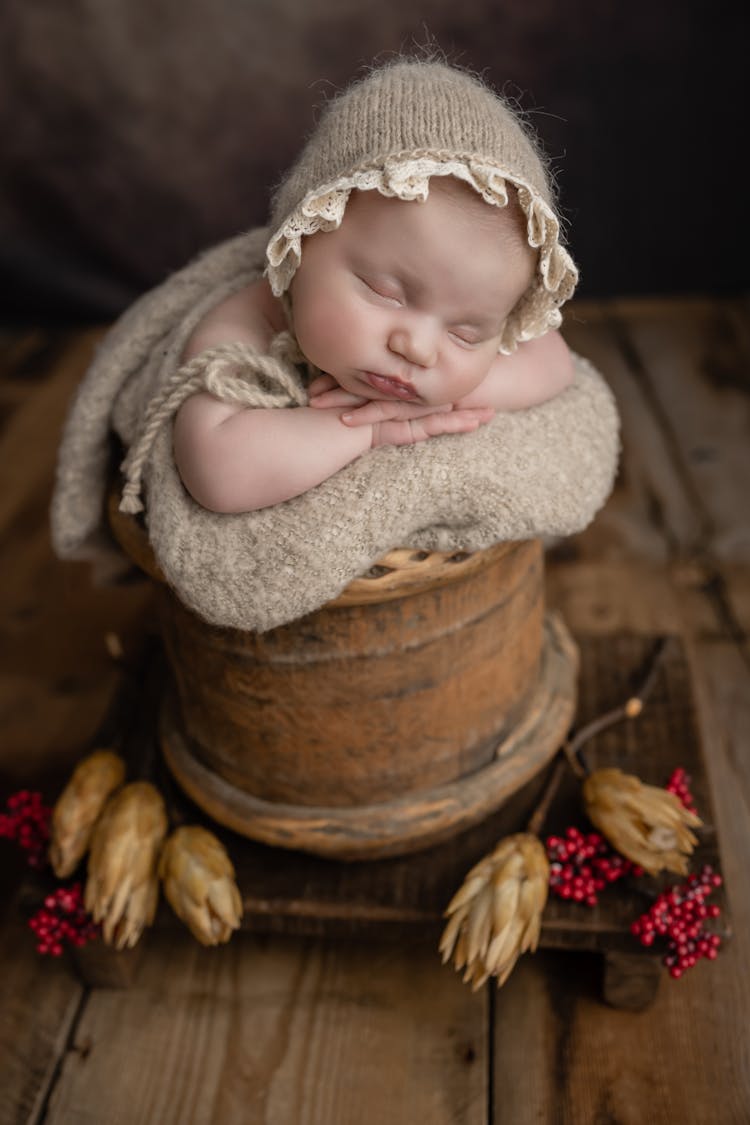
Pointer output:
x,y
415,262
402,308
378,367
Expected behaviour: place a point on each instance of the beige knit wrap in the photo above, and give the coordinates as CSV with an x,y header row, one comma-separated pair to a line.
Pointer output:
x,y
392,132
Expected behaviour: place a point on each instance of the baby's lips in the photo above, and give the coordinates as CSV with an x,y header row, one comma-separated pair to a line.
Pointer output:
x,y
394,388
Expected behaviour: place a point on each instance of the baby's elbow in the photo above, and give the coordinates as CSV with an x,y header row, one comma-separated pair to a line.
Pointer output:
x,y
198,463
226,458
214,484
220,494
209,496
204,486
220,486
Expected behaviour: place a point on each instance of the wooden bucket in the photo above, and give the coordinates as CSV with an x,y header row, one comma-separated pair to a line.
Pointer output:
x,y
400,713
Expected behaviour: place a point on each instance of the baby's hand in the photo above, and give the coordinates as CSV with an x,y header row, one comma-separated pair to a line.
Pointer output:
x,y
429,424
324,393
369,412
393,421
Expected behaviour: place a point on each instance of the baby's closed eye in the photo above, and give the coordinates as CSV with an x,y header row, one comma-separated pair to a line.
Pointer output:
x,y
466,337
382,289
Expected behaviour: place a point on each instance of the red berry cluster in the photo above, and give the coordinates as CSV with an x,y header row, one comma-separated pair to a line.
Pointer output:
x,y
680,914
582,865
679,784
63,918
26,820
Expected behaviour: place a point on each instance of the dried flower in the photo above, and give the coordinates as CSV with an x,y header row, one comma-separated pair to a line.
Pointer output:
x,y
78,808
648,825
496,914
123,886
199,883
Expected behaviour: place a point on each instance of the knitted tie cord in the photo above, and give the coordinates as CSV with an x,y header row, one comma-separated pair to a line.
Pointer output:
x,y
228,372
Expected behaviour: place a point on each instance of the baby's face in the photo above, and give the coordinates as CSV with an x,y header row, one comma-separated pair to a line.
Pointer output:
x,y
407,300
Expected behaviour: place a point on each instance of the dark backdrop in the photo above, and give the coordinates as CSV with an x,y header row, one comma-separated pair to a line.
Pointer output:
x,y
136,132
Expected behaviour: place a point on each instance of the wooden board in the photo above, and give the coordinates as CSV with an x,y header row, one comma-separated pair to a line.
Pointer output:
x,y
279,1032
39,1004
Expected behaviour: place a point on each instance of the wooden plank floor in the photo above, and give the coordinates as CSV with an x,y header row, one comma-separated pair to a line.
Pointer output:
x,y
287,1031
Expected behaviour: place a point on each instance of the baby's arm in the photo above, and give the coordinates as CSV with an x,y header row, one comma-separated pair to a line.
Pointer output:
x,y
232,458
537,371
236,459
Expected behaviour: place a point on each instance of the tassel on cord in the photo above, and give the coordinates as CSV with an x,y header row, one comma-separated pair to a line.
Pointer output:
x,y
224,372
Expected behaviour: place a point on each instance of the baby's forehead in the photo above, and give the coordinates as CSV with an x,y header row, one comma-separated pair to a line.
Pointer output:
x,y
457,202
464,252
467,198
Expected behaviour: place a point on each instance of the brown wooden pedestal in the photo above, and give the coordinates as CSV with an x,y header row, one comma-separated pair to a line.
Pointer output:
x,y
417,817
397,715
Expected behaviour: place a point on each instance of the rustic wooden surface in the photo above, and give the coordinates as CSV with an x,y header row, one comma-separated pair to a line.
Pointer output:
x,y
275,1029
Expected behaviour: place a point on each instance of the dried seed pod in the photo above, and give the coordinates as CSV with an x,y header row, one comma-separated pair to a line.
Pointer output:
x,y
78,807
648,825
496,914
199,882
122,890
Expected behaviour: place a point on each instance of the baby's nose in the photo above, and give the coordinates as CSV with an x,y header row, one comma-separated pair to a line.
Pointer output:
x,y
417,345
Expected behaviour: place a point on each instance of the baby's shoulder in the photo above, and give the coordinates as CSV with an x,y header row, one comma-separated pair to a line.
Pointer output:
x,y
252,315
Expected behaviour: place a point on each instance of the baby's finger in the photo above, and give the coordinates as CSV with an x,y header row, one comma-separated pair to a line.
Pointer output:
x,y
321,383
338,397
458,421
376,411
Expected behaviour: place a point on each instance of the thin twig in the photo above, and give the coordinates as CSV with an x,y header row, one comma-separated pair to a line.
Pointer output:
x,y
539,814
630,709
570,751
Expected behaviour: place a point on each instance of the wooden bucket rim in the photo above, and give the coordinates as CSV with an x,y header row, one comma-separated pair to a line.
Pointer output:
x,y
399,573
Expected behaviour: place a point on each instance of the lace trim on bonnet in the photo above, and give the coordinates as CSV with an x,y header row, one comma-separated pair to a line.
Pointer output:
x,y
407,177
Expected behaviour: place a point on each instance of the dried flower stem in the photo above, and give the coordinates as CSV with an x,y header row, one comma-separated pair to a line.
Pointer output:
x,y
539,814
630,709
571,748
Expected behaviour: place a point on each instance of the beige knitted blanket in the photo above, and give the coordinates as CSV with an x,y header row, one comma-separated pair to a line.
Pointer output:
x,y
539,472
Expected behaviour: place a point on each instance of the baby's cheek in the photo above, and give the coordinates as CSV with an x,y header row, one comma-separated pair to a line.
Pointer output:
x,y
312,324
326,329
473,374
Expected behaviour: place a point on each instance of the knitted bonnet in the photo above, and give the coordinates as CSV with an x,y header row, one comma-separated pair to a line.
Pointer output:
x,y
391,132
